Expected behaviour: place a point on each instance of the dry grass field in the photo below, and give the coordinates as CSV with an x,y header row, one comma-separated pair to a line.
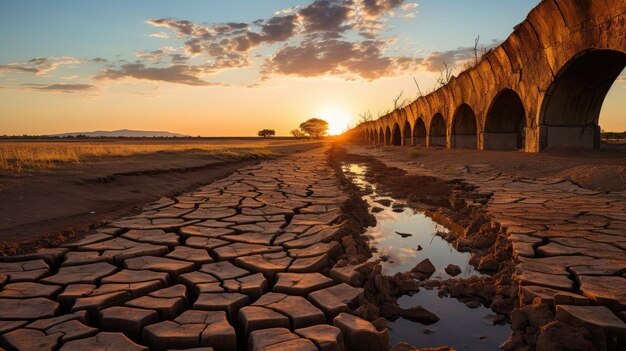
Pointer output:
x,y
55,188
22,155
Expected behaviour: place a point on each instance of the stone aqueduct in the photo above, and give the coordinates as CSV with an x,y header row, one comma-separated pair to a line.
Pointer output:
x,y
542,87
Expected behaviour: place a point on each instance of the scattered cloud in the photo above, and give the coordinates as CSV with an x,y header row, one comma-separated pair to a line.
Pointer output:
x,y
155,55
279,28
286,11
340,38
325,16
62,88
160,35
374,8
18,68
316,40
39,65
181,74
178,58
336,57
409,10
182,27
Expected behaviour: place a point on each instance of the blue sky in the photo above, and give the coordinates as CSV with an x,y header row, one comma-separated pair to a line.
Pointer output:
x,y
104,29
150,74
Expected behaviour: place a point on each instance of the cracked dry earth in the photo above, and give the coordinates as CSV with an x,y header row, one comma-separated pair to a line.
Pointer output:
x,y
569,249
569,244
242,263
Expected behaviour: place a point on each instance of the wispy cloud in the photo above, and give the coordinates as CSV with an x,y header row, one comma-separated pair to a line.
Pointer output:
x,y
155,55
181,74
438,60
39,65
160,35
286,11
62,88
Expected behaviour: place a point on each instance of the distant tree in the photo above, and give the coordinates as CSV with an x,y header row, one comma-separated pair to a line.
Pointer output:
x,y
315,127
297,133
266,133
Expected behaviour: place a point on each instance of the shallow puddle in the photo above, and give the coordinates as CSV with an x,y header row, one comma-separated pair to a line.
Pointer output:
x,y
403,238
459,327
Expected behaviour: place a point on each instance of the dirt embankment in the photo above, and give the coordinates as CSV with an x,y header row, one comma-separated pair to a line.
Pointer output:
x,y
455,204
43,208
602,170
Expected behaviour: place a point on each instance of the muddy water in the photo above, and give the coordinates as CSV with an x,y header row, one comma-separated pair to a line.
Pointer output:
x,y
403,238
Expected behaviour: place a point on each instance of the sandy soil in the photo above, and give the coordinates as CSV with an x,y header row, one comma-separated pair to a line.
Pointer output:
x,y
42,207
592,169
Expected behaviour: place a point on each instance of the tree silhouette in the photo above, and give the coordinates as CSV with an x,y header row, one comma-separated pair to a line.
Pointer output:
x,y
315,127
266,133
297,133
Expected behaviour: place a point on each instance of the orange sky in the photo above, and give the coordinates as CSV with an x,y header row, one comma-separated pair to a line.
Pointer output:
x,y
267,65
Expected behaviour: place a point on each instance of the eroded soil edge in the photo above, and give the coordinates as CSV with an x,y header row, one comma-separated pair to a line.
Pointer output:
x,y
77,226
455,204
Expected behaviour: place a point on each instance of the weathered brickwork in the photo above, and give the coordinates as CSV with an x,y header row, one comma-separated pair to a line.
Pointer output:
x,y
542,87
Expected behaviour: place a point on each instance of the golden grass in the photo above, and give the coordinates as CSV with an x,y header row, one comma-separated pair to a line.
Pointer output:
x,y
19,156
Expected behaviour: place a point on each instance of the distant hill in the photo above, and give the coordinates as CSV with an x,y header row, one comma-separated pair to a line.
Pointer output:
x,y
121,133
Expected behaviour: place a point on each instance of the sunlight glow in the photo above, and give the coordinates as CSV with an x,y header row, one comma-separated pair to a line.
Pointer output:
x,y
337,118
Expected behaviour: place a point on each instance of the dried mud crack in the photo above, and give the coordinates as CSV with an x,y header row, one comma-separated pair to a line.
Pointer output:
x,y
271,257
555,252
458,206
245,262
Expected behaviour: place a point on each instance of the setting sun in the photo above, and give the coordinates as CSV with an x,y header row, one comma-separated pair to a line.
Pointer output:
x,y
337,118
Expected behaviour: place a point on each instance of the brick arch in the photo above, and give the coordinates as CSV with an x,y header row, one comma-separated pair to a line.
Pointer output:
x,y
437,131
557,37
571,108
464,129
396,135
505,122
419,132
387,135
407,133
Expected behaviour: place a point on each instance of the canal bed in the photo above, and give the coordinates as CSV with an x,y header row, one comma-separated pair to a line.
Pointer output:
x,y
402,238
